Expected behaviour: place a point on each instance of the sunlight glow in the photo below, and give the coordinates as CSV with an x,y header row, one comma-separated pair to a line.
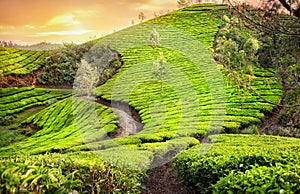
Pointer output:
x,y
67,19
62,33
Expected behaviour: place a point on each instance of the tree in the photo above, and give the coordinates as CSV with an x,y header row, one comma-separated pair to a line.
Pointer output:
x,y
277,37
159,70
154,39
142,16
292,6
61,65
183,3
86,80
103,59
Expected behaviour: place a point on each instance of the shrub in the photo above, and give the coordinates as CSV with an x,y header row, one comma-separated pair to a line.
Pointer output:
x,y
253,129
203,166
275,179
61,65
6,120
57,173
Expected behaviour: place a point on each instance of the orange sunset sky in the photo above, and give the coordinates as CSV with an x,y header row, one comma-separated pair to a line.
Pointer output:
x,y
58,21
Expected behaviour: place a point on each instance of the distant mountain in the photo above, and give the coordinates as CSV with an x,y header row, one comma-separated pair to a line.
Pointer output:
x,y
38,46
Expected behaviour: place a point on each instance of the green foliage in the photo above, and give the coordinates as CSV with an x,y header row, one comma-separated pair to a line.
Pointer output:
x,y
57,173
204,165
65,124
6,120
275,179
290,116
237,51
253,129
20,62
104,60
61,65
77,127
15,100
263,39
242,108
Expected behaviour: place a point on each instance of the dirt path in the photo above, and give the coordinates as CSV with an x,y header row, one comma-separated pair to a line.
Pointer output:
x,y
129,119
159,180
164,180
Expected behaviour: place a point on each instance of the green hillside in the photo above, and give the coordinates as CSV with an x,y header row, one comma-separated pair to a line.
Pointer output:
x,y
20,62
63,142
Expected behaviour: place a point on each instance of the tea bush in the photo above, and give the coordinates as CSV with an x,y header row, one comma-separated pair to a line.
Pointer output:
x,y
204,165
263,179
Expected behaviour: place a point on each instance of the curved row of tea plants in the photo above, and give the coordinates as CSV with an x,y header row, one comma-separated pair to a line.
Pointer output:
x,y
242,164
189,100
20,62
184,104
73,173
64,124
15,100
17,104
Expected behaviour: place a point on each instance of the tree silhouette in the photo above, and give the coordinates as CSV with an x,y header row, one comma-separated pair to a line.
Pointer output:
x,y
183,3
142,16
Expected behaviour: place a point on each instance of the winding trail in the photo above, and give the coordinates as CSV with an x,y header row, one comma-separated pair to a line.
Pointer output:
x,y
129,120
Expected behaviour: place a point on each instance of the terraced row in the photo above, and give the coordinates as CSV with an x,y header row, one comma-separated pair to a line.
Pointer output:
x,y
191,99
15,100
195,96
20,62
64,124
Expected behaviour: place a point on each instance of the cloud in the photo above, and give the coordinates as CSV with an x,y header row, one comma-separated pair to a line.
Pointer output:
x,y
7,27
52,20
67,19
28,26
63,33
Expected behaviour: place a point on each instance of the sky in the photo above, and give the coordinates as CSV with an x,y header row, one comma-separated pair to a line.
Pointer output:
x,y
64,21
58,21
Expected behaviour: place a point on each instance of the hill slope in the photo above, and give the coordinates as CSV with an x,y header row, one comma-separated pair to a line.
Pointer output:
x,y
177,88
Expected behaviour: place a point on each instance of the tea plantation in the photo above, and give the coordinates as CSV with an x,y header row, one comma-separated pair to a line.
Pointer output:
x,y
20,62
58,142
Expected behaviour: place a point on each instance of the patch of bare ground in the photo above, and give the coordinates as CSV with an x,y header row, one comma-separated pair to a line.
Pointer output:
x,y
164,180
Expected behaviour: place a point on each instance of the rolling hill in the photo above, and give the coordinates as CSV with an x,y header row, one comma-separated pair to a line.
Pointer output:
x,y
179,92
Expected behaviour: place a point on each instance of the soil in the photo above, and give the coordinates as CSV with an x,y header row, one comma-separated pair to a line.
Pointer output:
x,y
28,80
270,120
129,119
163,180
31,127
